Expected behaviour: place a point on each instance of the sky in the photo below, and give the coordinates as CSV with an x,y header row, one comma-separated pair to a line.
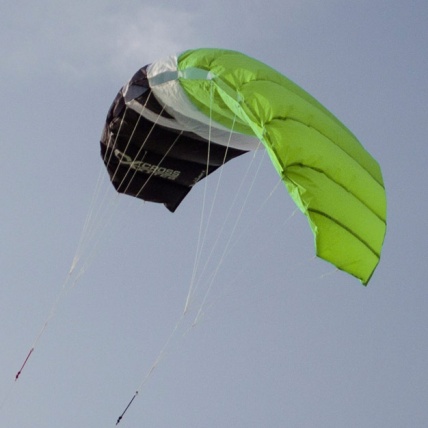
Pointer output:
x,y
275,337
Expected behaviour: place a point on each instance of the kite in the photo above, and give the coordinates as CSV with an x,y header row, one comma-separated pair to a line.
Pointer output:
x,y
179,119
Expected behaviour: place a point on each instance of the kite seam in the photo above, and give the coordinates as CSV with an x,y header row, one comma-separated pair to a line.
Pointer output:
x,y
283,119
315,211
301,165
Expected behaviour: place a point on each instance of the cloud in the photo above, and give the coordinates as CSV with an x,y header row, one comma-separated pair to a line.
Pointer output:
x,y
122,42
150,33
81,40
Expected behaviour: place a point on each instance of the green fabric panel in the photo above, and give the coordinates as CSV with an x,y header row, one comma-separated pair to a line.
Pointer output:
x,y
330,176
337,246
361,231
310,149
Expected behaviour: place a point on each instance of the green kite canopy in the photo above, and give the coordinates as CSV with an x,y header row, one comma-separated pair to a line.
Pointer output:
x,y
164,121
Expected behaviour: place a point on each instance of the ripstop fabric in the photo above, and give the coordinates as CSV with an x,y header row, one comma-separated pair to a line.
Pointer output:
x,y
226,101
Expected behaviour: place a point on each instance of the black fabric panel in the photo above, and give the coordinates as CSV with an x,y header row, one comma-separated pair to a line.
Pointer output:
x,y
152,162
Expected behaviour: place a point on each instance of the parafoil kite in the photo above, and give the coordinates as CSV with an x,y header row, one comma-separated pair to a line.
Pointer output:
x,y
179,119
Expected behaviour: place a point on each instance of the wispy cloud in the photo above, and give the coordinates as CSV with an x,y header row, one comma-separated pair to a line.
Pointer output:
x,y
81,40
148,34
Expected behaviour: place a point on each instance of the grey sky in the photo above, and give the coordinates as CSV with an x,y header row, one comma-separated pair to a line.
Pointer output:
x,y
284,340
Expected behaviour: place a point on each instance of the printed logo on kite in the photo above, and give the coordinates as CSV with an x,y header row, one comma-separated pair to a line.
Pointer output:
x,y
146,167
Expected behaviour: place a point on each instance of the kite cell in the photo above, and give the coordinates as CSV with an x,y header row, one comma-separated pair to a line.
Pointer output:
x,y
179,119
